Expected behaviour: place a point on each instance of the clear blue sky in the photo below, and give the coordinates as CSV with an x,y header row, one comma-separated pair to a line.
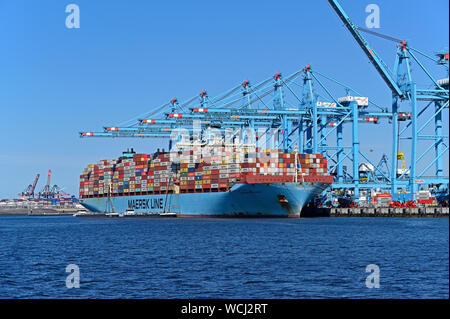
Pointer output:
x,y
131,56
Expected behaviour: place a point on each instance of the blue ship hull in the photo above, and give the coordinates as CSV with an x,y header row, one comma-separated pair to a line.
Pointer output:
x,y
243,200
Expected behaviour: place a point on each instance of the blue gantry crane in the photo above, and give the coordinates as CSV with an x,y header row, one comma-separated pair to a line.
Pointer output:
x,y
309,112
404,89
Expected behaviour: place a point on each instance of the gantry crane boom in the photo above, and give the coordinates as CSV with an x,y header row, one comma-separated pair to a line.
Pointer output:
x,y
377,62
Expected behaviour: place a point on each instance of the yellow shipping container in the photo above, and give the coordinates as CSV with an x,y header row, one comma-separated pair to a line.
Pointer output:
x,y
206,182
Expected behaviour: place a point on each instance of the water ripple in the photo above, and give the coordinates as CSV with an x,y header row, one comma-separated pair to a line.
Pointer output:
x,y
223,258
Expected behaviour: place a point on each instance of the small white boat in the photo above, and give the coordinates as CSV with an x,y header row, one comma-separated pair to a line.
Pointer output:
x,y
113,215
129,212
168,214
80,213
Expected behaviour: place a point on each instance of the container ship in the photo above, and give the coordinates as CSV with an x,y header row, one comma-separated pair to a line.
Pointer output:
x,y
230,182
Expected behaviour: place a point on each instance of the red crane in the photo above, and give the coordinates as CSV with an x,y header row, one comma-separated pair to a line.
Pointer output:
x,y
47,186
33,187
29,191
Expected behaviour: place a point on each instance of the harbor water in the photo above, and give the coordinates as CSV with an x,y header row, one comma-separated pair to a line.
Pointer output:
x,y
223,258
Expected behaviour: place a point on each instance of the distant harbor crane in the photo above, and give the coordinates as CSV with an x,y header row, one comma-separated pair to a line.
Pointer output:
x,y
29,191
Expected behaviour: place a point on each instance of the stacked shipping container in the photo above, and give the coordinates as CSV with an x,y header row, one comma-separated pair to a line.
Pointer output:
x,y
192,171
